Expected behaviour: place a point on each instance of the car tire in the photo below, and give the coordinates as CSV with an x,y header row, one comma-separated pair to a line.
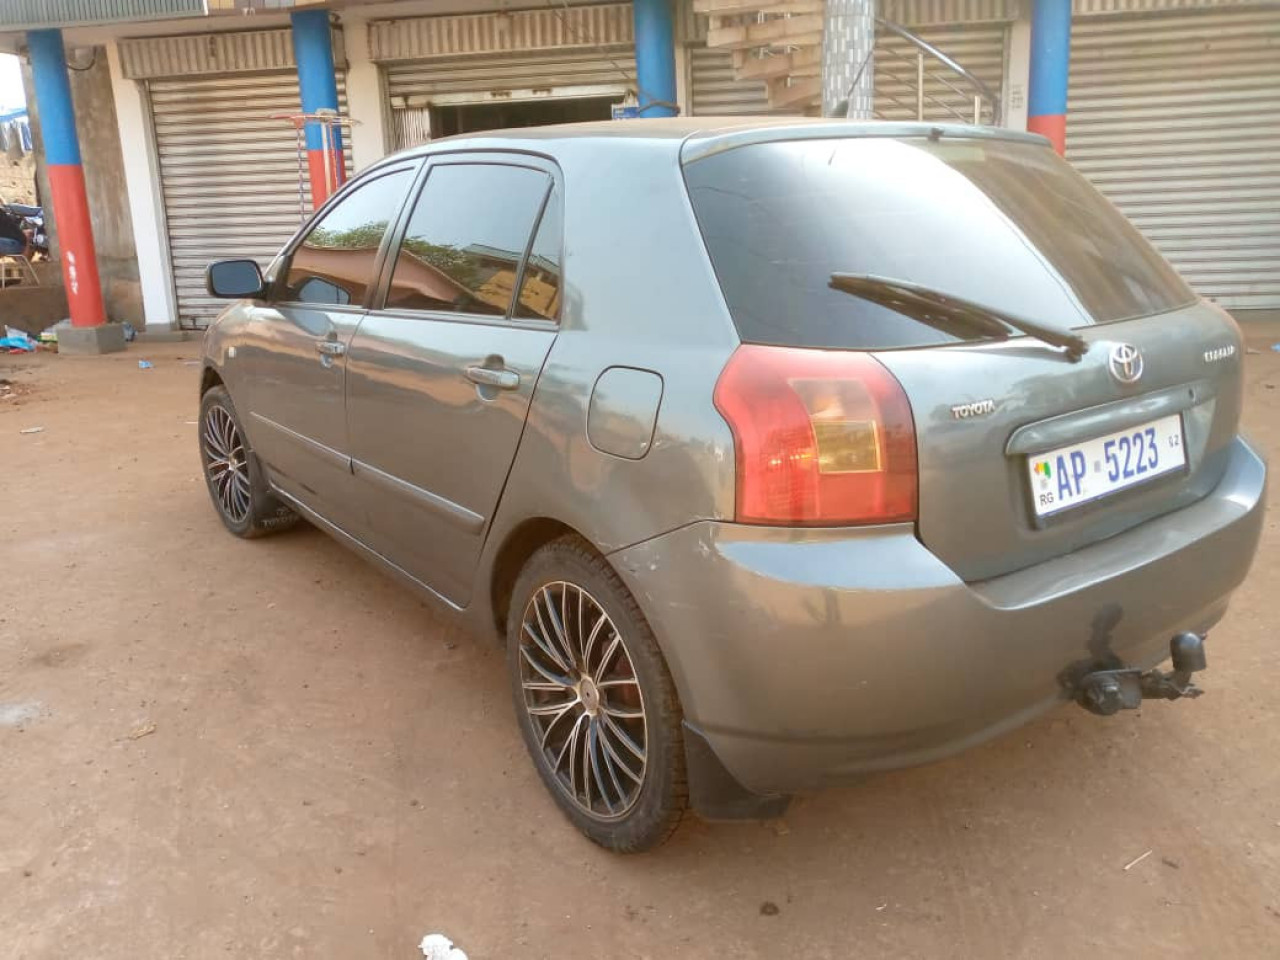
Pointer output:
x,y
573,625
236,483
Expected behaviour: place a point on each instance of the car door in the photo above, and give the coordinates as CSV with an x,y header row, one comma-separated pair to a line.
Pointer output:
x,y
293,358
439,380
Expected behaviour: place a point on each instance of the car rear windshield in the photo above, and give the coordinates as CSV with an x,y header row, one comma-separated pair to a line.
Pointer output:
x,y
1005,224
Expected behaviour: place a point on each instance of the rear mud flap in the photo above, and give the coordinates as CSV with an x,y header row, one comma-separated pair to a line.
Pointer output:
x,y
715,794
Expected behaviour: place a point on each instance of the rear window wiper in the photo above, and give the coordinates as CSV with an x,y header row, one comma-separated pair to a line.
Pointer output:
x,y
953,314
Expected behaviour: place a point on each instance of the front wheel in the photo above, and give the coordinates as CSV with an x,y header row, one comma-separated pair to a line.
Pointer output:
x,y
239,491
596,704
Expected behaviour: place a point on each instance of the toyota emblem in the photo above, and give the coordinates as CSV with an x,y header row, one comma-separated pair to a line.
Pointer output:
x,y
1126,363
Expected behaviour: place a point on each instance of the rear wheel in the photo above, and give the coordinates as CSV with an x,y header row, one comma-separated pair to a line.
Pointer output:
x,y
595,701
231,471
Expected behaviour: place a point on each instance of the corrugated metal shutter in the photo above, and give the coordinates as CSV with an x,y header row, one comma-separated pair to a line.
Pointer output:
x,y
1177,120
504,73
979,48
228,174
205,54
551,27
915,13
1089,7
715,91
67,13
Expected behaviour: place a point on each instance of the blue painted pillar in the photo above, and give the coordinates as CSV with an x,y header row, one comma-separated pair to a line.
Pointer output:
x,y
69,199
655,58
1050,60
318,87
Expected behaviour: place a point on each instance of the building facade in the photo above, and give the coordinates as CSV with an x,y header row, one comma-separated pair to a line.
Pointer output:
x,y
1171,109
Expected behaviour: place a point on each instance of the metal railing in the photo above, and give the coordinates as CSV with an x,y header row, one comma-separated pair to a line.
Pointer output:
x,y
970,90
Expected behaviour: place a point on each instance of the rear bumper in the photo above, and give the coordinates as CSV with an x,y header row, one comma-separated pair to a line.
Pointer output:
x,y
807,657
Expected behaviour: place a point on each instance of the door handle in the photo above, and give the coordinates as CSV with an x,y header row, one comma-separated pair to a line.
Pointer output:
x,y
330,348
489,377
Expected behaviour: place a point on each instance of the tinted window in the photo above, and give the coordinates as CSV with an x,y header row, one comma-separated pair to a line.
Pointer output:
x,y
467,235
540,289
335,263
1009,225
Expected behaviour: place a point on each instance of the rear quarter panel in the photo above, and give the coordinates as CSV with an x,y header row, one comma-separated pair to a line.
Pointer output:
x,y
639,293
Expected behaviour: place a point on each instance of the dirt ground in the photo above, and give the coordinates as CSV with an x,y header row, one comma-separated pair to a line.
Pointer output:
x,y
213,748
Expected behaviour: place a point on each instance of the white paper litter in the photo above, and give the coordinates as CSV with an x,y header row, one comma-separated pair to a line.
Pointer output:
x,y
32,430
436,946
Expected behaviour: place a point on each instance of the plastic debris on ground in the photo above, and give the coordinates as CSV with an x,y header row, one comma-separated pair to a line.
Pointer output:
x,y
17,341
130,334
145,730
145,364
436,946
1276,347
32,430
16,714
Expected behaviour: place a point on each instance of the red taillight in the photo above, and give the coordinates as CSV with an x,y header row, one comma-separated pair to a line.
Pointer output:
x,y
823,438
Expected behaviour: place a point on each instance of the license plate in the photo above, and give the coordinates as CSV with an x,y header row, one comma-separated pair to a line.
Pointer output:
x,y
1070,476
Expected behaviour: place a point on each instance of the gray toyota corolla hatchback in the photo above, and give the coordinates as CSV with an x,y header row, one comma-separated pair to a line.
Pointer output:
x,y
777,451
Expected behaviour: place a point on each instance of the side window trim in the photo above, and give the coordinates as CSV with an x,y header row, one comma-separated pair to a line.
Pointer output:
x,y
396,236
391,242
283,263
528,252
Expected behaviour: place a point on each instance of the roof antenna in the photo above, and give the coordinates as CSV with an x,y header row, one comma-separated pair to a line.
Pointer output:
x,y
844,108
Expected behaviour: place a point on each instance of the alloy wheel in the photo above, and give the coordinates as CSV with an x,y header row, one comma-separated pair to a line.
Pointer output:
x,y
583,697
226,464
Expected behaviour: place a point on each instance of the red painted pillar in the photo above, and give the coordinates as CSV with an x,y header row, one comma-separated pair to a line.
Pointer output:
x,y
66,178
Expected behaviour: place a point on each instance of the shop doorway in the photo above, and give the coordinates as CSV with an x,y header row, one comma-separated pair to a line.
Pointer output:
x,y
496,115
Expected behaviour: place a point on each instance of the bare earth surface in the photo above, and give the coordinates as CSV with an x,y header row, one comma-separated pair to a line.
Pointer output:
x,y
213,748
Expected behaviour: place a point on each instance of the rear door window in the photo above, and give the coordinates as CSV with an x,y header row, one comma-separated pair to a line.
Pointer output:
x,y
1006,224
467,239
335,263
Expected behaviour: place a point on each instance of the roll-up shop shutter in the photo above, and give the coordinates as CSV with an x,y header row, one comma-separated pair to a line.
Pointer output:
x,y
715,91
415,85
228,173
979,48
1176,118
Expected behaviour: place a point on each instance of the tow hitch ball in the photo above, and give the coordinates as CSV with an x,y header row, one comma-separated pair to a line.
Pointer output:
x,y
1105,692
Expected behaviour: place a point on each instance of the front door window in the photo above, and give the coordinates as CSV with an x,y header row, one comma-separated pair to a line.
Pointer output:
x,y
334,264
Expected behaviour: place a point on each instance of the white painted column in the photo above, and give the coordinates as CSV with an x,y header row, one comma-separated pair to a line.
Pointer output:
x,y
848,59
146,203
682,79
1017,71
364,96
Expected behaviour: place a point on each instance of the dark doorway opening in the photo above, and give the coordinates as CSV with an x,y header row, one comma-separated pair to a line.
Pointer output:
x,y
474,117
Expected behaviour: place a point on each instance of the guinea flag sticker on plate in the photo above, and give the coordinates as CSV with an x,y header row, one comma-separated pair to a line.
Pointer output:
x,y
1076,474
